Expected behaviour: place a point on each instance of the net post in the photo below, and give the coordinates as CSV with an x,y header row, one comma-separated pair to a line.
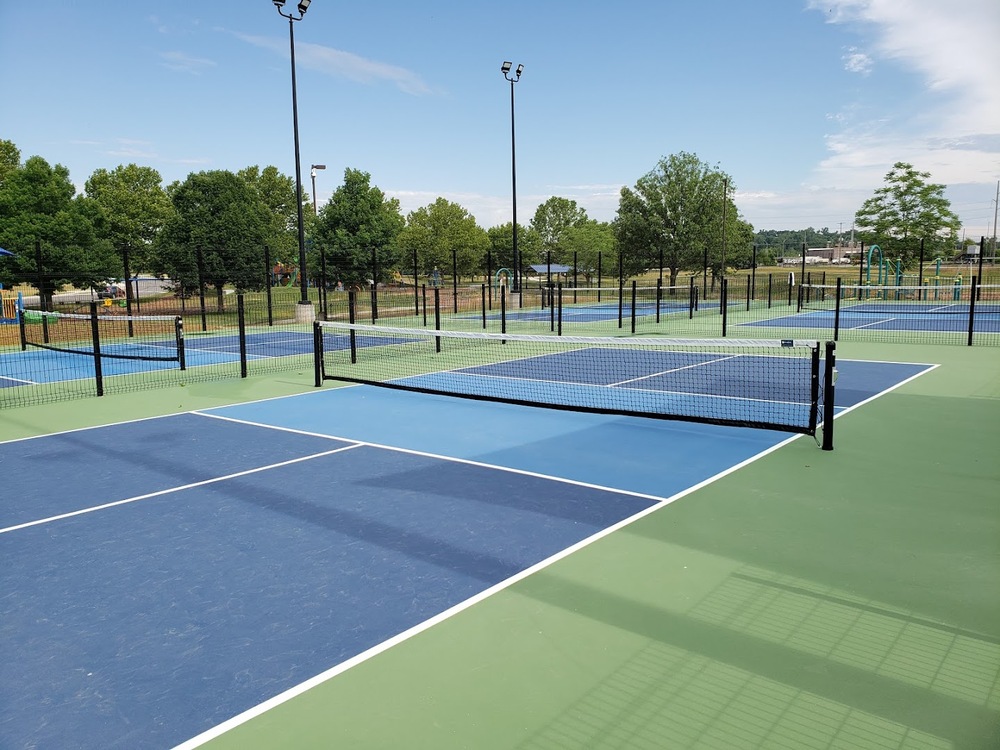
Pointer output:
x,y
21,328
179,338
576,282
559,297
692,299
829,392
423,296
836,311
770,288
749,284
503,308
489,278
351,317
201,287
45,327
96,337
800,298
483,295
599,259
659,296
267,285
552,307
317,354
621,294
632,315
973,291
241,324
437,318
724,303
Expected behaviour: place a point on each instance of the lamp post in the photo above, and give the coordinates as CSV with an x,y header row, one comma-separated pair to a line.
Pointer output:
x,y
302,7
312,173
505,69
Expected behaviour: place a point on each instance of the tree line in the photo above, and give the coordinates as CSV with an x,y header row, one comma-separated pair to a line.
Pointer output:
x,y
680,217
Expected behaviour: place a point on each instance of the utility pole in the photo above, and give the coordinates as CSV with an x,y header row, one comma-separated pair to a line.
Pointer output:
x,y
996,205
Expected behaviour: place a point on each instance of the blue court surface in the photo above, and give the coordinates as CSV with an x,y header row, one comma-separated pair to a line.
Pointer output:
x,y
954,319
201,349
594,312
164,575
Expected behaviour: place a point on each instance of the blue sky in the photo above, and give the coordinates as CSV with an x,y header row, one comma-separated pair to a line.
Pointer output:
x,y
805,103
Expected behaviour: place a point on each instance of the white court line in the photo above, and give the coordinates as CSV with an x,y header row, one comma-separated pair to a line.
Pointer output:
x,y
20,380
364,656
449,459
303,687
169,490
673,370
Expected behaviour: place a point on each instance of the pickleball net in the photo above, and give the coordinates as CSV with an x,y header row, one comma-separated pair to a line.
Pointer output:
x,y
750,383
157,338
870,299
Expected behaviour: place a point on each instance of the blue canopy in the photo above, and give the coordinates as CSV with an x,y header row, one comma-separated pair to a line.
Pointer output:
x,y
6,252
555,268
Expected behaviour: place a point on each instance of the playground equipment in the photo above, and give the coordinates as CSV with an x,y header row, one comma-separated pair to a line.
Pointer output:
x,y
501,278
889,273
12,302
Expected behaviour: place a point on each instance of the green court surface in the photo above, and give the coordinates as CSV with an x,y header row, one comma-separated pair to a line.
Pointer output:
x,y
806,600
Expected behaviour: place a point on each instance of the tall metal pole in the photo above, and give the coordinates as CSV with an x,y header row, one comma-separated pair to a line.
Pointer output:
x,y
505,69
513,188
303,275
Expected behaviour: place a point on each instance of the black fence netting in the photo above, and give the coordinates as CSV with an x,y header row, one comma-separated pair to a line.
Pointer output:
x,y
225,334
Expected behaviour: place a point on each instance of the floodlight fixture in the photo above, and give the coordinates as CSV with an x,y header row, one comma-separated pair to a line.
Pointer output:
x,y
304,6
312,173
505,68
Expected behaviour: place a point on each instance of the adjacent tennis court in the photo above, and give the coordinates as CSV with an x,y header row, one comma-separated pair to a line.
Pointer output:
x,y
169,578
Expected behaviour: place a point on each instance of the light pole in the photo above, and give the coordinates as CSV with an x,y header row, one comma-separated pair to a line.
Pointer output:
x,y
312,173
505,69
303,6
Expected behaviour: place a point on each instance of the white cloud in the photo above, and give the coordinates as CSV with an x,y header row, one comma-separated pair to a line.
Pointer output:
x,y
954,129
184,63
344,64
858,62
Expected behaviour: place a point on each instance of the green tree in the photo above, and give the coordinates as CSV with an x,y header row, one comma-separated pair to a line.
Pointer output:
x,y
10,158
676,209
220,214
501,239
552,219
905,210
38,203
358,221
437,230
136,207
277,193
586,240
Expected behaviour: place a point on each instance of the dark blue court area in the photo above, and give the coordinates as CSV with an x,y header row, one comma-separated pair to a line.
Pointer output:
x,y
201,349
954,319
161,576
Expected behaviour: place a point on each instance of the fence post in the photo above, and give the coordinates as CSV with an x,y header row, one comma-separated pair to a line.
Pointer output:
x,y
972,305
241,323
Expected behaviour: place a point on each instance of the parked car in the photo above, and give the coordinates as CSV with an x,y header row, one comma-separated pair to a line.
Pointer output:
x,y
111,290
